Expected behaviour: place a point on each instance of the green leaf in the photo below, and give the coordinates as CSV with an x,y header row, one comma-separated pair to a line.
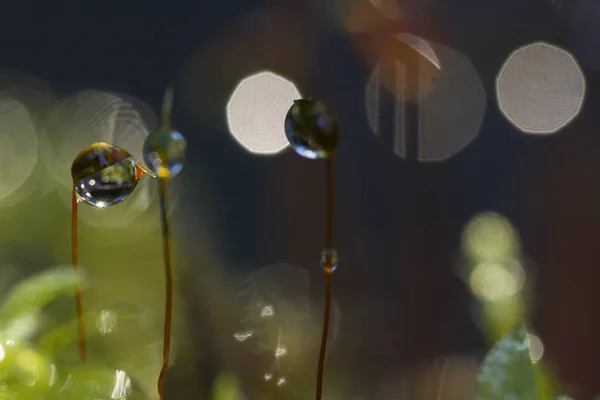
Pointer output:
x,y
23,303
507,371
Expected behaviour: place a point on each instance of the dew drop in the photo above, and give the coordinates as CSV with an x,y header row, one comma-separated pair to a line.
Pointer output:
x,y
164,152
311,129
104,175
329,259
164,148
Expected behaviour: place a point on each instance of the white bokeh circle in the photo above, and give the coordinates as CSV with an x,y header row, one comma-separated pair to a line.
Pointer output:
x,y
540,88
256,112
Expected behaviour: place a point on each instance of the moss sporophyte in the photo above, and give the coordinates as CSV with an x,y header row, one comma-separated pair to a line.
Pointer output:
x,y
104,175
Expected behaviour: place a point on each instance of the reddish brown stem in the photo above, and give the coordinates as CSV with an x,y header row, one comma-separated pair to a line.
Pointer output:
x,y
78,295
328,277
162,183
329,215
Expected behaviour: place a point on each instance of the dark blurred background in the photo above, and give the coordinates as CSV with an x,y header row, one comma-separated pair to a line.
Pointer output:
x,y
400,211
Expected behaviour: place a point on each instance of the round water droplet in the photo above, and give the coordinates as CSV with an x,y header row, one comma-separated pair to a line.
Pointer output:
x,y
104,175
329,260
311,129
164,152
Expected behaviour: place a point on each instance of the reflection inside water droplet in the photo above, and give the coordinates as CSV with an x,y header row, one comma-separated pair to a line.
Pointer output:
x,y
109,186
104,175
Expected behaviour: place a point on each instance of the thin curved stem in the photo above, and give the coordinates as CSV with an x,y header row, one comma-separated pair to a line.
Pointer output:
x,y
329,215
324,337
328,278
78,294
166,237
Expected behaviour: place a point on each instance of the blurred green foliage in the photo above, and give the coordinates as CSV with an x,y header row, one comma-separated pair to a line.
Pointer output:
x,y
38,356
44,364
507,371
31,368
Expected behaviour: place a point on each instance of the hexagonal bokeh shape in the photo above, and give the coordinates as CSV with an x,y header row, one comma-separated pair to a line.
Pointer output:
x,y
540,88
256,112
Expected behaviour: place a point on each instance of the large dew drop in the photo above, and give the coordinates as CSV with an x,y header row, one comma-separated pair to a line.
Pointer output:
x,y
311,129
104,175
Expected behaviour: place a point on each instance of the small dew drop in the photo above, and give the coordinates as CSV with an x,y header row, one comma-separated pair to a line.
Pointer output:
x,y
164,149
329,259
164,152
